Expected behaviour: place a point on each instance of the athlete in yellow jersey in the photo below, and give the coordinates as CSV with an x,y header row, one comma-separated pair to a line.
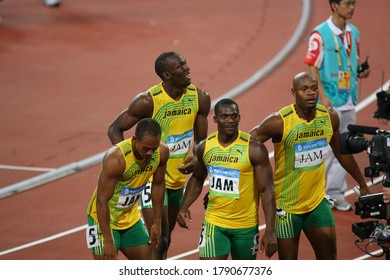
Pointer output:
x,y
239,174
301,133
302,149
181,109
176,118
113,216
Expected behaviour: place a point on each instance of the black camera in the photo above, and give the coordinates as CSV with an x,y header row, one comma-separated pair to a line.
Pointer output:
x,y
376,231
378,147
371,205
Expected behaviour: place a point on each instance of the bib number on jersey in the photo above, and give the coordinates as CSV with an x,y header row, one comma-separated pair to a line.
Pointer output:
x,y
147,195
179,145
202,239
128,197
92,236
255,248
224,182
310,155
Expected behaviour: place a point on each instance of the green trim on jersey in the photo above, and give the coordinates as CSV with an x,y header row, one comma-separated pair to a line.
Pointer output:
x,y
233,196
177,119
123,205
300,159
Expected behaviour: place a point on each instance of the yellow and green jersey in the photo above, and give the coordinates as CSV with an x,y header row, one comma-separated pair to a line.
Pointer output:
x,y
177,119
299,179
233,195
128,189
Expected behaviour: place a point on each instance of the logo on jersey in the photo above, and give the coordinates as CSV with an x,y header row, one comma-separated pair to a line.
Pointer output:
x,y
217,158
143,169
309,134
177,112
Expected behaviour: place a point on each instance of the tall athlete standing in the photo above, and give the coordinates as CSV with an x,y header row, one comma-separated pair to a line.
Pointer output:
x,y
301,133
181,109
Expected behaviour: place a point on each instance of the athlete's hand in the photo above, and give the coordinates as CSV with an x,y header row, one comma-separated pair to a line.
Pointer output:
x,y
188,165
182,217
268,243
155,234
110,252
364,190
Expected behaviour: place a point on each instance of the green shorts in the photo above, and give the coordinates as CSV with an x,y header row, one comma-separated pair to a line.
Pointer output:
x,y
175,197
172,198
290,225
134,236
215,241
146,197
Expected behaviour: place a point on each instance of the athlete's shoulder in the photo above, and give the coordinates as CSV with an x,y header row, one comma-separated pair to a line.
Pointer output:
x,y
164,152
202,94
244,136
285,111
211,136
144,96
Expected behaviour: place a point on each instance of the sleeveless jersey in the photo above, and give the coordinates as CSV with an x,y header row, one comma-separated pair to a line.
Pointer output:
x,y
299,179
123,205
177,119
233,196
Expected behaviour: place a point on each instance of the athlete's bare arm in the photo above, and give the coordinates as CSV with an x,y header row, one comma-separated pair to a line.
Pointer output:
x,y
264,181
113,166
158,193
140,107
193,189
270,128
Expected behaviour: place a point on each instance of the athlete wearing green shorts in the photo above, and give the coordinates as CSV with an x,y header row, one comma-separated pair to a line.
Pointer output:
x,y
302,134
181,109
240,174
242,244
113,216
290,225
134,236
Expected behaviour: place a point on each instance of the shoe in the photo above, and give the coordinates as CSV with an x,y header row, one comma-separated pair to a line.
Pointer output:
x,y
51,3
342,205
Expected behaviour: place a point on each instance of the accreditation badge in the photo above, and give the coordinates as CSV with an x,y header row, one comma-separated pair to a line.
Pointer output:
x,y
344,81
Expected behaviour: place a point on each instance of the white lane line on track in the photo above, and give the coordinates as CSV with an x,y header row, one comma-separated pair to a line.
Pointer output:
x,y
375,253
55,236
26,168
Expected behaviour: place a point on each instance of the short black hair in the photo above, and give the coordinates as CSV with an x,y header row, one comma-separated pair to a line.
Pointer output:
x,y
333,1
160,64
147,126
224,101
